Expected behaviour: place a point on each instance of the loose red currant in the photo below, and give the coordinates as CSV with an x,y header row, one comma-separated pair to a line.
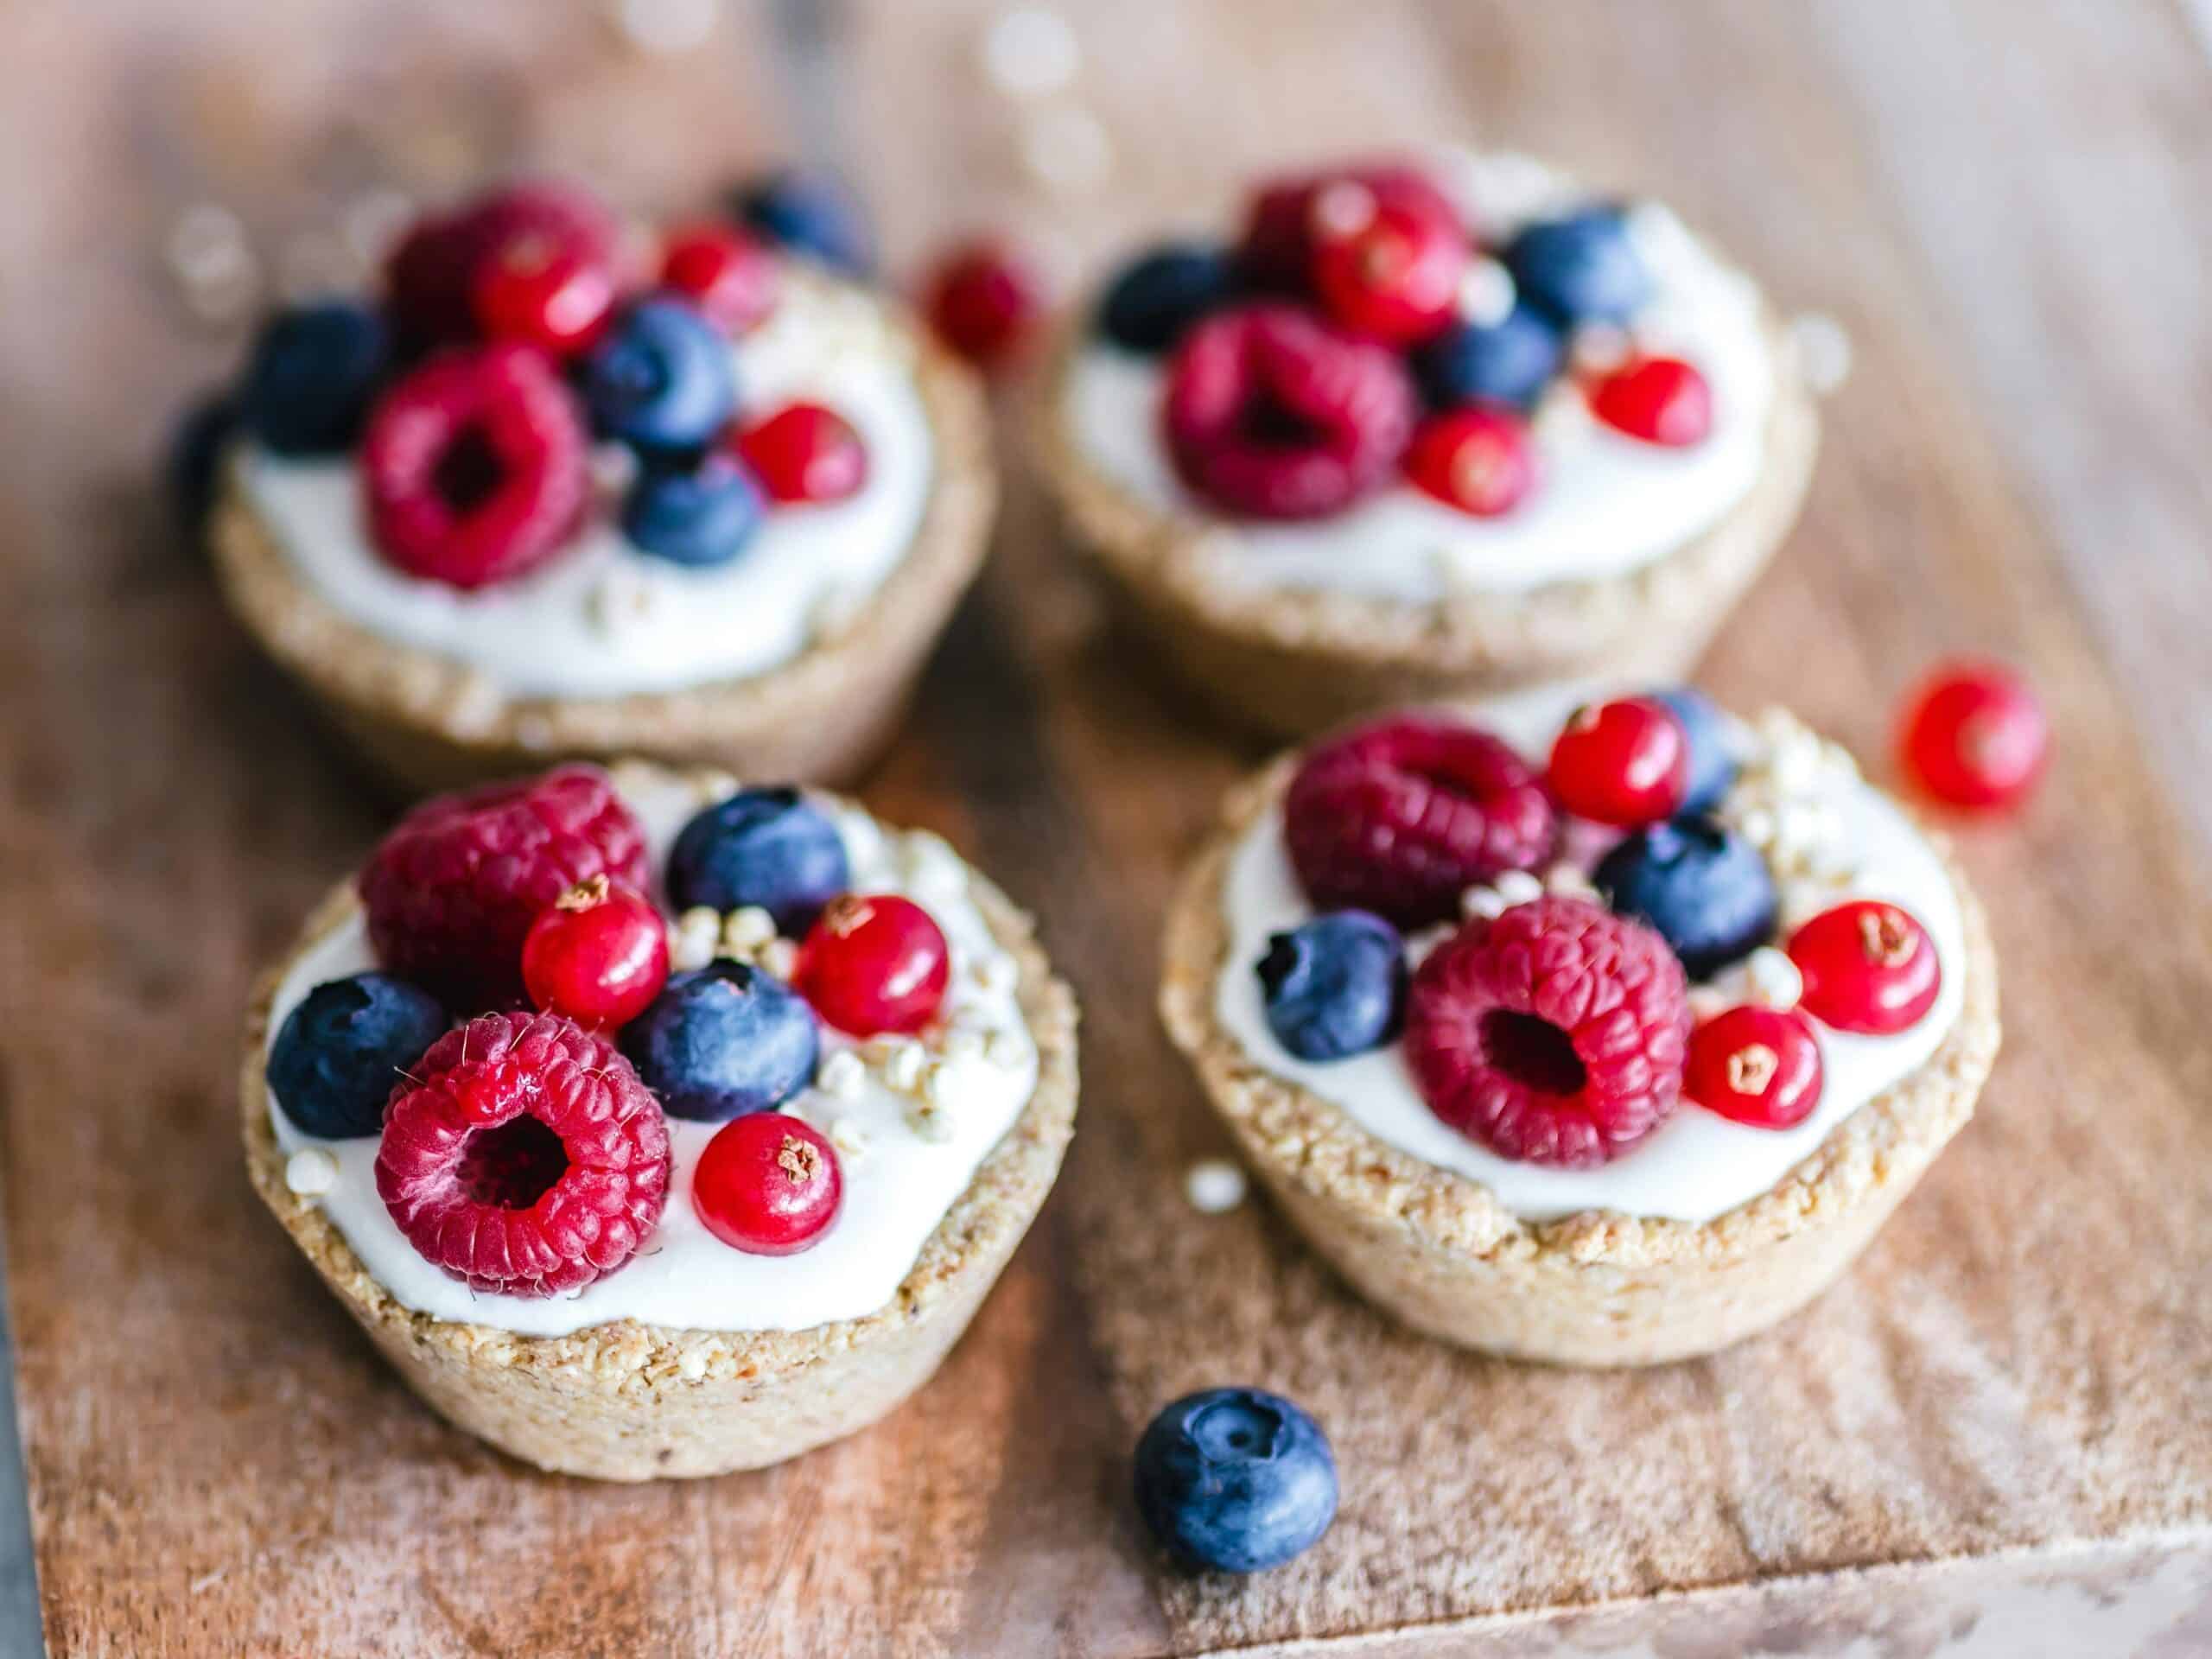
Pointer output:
x,y
983,298
1973,735
599,953
1623,763
803,453
1659,399
1477,459
1760,1066
537,290
732,277
1387,270
767,1184
873,963
1868,967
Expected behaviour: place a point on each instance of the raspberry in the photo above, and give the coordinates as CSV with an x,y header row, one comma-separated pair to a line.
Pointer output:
x,y
476,466
1273,413
1276,250
430,280
525,1157
1401,817
451,892
1554,1034
1975,736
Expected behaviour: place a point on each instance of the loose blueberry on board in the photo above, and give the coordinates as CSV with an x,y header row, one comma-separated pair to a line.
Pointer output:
x,y
983,298
1756,1067
311,375
1235,1480
341,1052
1622,763
1157,296
1580,269
535,291
1478,459
770,847
1661,400
1975,736
873,963
1713,768
598,953
662,379
803,454
768,1184
702,514
1335,986
723,1041
727,274
195,451
1869,967
1393,275
1707,890
1510,361
809,211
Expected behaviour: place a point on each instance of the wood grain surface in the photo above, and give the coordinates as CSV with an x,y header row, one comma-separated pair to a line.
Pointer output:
x,y
2004,1417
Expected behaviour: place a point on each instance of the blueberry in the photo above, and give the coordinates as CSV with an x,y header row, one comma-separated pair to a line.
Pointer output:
x,y
701,515
765,847
1507,362
1705,889
662,379
1334,986
1155,297
1581,269
1236,1480
312,372
196,445
812,212
1712,768
723,1041
341,1051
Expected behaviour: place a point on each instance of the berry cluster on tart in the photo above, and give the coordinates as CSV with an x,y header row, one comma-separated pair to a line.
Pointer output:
x,y
565,488
1600,1037
1425,431
653,1126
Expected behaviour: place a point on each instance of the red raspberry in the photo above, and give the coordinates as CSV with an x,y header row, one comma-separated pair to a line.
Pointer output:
x,y
730,276
476,465
524,1156
1394,275
872,965
803,453
1975,736
1623,763
1276,250
1478,459
768,1184
1869,967
1554,1034
983,299
1760,1066
1660,399
451,893
1401,817
1273,413
430,278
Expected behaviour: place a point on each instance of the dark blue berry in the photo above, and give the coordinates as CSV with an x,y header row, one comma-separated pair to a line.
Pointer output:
x,y
1581,269
1507,362
663,379
340,1052
701,515
811,212
1236,1480
723,1041
1155,297
196,447
1705,889
1712,769
313,370
1334,986
767,847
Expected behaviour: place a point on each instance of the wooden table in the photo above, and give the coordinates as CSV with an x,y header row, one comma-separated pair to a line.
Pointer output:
x,y
1997,1435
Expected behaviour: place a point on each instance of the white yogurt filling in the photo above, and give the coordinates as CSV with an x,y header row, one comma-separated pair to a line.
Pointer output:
x,y
600,617
1603,503
1697,1165
899,1183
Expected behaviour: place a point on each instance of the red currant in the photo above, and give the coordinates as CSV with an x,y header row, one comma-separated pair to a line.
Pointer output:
x,y
767,1184
1760,1066
1868,967
803,453
732,277
1973,735
983,298
536,291
1477,459
873,963
599,953
1623,763
1387,270
1659,399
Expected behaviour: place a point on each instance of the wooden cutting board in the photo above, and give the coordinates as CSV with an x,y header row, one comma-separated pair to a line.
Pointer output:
x,y
1996,1436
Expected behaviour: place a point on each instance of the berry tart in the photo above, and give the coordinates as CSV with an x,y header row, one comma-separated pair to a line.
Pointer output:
x,y
1604,1037
653,1126
1427,432
560,490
